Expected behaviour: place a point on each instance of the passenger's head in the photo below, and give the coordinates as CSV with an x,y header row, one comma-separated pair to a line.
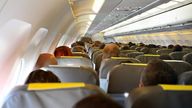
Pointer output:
x,y
41,76
62,51
158,72
78,49
97,101
177,48
96,44
170,46
44,60
110,50
102,46
125,47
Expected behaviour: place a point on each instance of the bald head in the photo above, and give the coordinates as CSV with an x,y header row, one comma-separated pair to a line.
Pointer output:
x,y
110,50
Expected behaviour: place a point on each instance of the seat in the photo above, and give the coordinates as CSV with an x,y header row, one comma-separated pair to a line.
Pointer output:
x,y
80,54
98,60
134,54
185,78
177,55
95,54
163,51
179,66
188,58
124,77
49,95
147,57
108,64
123,53
161,96
74,74
153,50
75,61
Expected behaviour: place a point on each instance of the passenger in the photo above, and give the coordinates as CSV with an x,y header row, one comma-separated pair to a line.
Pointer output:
x,y
158,72
125,47
80,43
177,48
78,49
41,76
44,60
170,46
62,51
102,46
97,101
86,39
96,44
110,50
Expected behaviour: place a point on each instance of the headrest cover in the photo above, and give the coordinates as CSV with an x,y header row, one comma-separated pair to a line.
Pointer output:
x,y
176,87
151,55
50,86
70,57
135,64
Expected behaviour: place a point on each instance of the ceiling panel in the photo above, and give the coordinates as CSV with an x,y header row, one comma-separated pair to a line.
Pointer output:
x,y
115,11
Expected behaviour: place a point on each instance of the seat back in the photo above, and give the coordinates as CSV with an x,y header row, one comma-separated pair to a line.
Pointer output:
x,y
185,78
147,57
75,61
98,60
188,58
108,64
125,77
177,55
74,74
134,54
163,51
163,96
80,54
179,66
49,95
123,53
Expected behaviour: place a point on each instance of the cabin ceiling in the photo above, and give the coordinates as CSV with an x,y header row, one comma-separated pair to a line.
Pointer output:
x,y
115,11
83,14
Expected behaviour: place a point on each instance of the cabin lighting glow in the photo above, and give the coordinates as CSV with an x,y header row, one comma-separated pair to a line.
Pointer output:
x,y
126,94
180,0
171,3
97,5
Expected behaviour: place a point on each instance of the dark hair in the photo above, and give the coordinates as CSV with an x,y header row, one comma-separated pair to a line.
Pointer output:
x,y
170,46
62,51
97,101
41,76
158,72
177,48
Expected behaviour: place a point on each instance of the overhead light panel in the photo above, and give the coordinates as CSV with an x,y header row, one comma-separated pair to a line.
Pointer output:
x,y
169,4
180,0
97,5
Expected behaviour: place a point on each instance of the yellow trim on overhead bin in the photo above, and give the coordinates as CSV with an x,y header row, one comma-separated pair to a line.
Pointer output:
x,y
49,86
151,55
135,64
70,57
176,87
